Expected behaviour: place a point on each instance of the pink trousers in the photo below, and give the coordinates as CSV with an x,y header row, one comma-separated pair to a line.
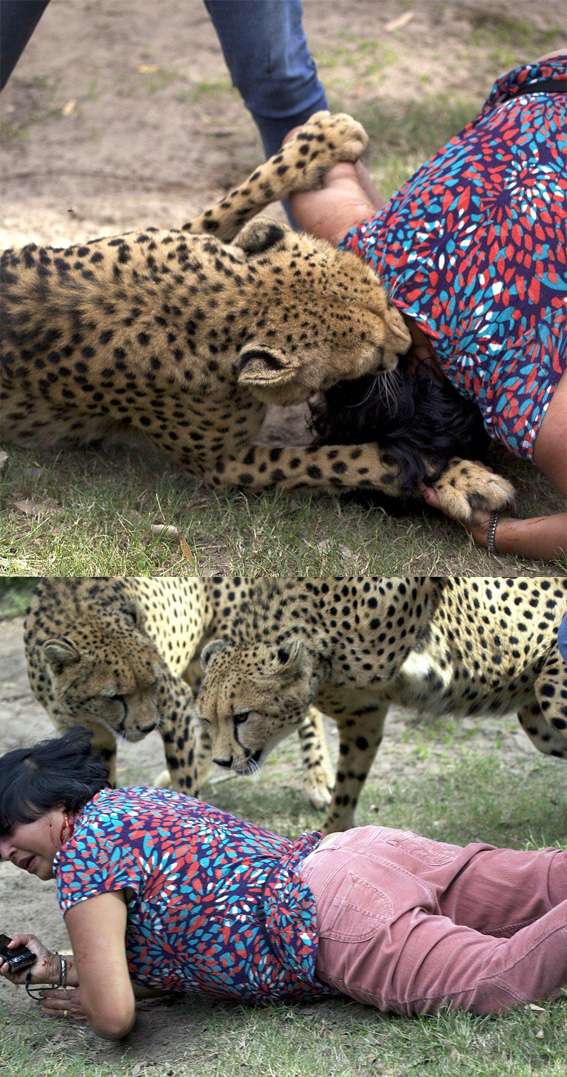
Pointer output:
x,y
410,925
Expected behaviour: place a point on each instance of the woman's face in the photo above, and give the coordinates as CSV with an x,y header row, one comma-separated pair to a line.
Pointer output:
x,y
32,846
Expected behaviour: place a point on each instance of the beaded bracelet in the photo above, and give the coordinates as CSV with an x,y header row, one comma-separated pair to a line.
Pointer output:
x,y
61,981
491,533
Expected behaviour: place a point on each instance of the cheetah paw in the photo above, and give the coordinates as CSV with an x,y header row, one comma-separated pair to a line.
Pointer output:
x,y
163,780
318,788
466,487
326,139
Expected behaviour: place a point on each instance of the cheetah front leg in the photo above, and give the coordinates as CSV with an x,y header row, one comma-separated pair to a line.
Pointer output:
x,y
545,720
341,467
103,744
359,742
465,486
542,735
299,166
180,731
317,769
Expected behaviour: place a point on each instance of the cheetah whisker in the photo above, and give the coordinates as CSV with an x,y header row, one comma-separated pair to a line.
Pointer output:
x,y
388,385
253,770
369,393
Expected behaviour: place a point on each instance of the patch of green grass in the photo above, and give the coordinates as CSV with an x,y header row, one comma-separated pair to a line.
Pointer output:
x,y
17,132
416,128
364,49
88,513
460,790
154,81
504,37
14,596
493,26
472,795
210,88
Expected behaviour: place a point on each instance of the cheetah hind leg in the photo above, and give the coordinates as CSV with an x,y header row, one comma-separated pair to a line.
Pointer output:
x,y
543,736
545,722
318,774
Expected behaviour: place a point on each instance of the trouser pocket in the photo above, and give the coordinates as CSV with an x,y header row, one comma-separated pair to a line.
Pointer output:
x,y
356,911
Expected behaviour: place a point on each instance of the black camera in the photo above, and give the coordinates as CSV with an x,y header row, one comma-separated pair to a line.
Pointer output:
x,y
19,958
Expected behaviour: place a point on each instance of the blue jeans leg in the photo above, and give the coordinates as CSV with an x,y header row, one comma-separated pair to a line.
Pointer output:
x,y
18,20
268,57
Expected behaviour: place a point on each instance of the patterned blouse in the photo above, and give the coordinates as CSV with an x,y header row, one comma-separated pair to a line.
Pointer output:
x,y
216,905
473,247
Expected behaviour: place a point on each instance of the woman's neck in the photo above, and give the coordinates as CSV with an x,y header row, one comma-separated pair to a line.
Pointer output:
x,y
422,346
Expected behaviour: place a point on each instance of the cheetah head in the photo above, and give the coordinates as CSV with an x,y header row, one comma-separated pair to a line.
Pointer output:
x,y
252,697
318,316
105,672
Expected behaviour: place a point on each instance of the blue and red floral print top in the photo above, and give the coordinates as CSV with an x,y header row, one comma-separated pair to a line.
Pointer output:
x,y
215,905
473,247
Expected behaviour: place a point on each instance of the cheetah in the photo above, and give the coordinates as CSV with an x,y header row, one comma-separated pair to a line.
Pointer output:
x,y
117,655
186,336
353,646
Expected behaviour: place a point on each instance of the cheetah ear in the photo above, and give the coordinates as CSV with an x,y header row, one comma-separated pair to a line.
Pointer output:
x,y
290,652
261,235
59,653
211,651
134,612
288,659
265,368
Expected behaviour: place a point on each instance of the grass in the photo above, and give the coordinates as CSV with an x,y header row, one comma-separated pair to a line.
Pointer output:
x,y
86,512
411,132
466,789
14,596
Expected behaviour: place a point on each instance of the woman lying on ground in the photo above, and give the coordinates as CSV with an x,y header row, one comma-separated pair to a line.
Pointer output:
x,y
162,893
472,252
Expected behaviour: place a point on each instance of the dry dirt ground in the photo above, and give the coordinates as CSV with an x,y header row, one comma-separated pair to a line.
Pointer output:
x,y
165,1029
120,112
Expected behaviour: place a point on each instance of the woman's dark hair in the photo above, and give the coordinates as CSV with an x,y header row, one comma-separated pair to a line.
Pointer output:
x,y
63,772
417,418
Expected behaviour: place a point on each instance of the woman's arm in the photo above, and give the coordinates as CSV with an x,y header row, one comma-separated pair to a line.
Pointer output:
x,y
105,996
550,445
47,967
347,198
541,537
97,929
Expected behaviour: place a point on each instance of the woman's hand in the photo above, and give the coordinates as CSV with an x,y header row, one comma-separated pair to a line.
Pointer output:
x,y
343,201
477,528
541,537
46,968
64,1003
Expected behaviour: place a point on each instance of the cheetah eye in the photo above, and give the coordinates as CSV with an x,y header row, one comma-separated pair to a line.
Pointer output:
x,y
239,719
